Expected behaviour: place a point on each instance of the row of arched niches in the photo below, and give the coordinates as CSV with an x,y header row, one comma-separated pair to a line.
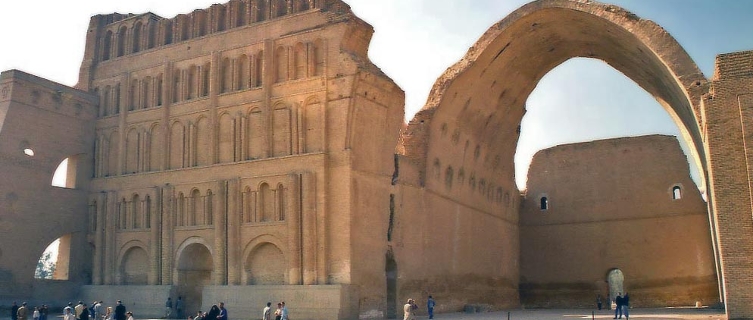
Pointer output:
x,y
150,31
243,134
190,82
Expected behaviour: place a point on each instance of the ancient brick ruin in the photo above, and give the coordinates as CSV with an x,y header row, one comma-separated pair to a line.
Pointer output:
x,y
251,152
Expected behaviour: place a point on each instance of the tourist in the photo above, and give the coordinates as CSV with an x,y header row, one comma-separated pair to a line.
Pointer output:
x,y
120,311
14,311
618,303
267,313
598,302
68,314
214,311
22,312
35,314
199,316
223,312
108,314
130,315
284,312
430,305
43,312
77,310
98,310
626,305
278,311
84,313
408,310
168,308
179,307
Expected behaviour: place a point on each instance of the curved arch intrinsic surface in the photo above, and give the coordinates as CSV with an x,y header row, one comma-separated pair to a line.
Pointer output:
x,y
481,99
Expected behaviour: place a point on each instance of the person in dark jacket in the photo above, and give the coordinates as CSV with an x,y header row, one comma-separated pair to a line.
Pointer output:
x,y
618,308
14,311
120,311
626,305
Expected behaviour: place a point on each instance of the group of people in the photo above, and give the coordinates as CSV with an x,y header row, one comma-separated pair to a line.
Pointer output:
x,y
410,307
97,311
215,313
22,312
281,313
178,308
622,303
80,311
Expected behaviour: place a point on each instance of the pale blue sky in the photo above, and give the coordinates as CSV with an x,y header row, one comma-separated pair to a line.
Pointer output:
x,y
416,40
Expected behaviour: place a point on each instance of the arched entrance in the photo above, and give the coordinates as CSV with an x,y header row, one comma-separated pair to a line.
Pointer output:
x,y
470,124
616,283
194,270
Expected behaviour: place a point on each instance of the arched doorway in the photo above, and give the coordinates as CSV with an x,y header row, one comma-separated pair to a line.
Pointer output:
x,y
193,270
616,283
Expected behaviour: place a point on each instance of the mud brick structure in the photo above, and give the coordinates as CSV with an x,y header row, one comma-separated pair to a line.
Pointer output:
x,y
250,152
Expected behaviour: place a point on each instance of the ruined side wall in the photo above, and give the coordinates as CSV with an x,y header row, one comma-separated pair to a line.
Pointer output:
x,y
455,233
610,204
54,121
727,113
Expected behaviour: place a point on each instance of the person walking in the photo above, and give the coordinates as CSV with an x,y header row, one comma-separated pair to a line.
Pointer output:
x,y
266,314
408,308
430,305
618,303
598,302
278,311
626,305
179,307
22,312
98,310
35,315
223,312
68,314
284,314
120,311
14,311
168,308
43,312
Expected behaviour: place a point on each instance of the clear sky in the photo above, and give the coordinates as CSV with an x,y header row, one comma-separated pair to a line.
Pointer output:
x,y
416,40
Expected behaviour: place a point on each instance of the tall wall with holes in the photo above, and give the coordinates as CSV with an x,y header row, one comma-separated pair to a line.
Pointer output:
x,y
233,148
624,204
43,123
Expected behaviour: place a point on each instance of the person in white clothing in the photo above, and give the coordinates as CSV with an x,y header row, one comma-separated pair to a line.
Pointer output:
x,y
267,313
68,314
408,309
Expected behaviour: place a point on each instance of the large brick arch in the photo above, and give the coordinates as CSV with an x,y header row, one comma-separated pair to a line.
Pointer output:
x,y
483,95
469,128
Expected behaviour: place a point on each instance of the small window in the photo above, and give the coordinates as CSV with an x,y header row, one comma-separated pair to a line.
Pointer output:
x,y
676,193
544,203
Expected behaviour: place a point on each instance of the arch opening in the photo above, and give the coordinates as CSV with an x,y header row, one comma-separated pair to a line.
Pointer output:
x,y
473,122
53,264
195,268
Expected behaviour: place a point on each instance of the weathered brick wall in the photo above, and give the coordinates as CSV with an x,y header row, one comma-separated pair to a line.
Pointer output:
x,y
727,111
610,204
